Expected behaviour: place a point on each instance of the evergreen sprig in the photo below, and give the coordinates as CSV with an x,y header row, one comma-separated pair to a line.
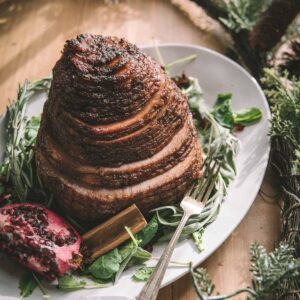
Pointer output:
x,y
284,96
243,14
271,272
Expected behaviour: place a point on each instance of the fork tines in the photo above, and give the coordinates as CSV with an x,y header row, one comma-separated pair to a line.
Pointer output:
x,y
202,190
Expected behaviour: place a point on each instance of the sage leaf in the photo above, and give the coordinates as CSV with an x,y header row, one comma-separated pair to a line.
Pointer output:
x,y
70,283
197,238
139,257
143,274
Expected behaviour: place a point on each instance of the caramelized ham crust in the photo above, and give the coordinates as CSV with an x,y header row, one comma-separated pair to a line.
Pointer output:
x,y
115,131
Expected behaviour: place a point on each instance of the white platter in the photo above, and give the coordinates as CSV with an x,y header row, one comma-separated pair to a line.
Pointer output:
x,y
216,74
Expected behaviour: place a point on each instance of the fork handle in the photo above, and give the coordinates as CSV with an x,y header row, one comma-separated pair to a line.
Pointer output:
x,y
151,288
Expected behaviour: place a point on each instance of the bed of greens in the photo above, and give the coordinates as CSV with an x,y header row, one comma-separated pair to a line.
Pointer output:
x,y
217,129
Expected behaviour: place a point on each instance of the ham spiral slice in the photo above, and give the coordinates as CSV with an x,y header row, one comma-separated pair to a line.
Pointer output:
x,y
115,130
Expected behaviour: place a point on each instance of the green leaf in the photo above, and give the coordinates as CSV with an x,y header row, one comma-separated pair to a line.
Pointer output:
x,y
111,265
222,111
224,115
197,238
132,254
140,256
106,266
247,116
144,237
126,249
143,274
148,233
27,284
69,283
123,265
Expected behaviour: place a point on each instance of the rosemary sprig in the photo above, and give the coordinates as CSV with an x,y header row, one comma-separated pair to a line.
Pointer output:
x,y
19,165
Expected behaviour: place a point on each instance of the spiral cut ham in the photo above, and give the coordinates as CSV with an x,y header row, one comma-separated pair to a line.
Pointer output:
x,y
115,130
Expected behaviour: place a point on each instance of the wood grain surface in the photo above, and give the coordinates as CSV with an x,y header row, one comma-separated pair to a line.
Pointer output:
x,y
32,34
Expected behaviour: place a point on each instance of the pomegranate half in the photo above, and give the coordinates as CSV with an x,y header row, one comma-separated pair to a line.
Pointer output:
x,y
39,239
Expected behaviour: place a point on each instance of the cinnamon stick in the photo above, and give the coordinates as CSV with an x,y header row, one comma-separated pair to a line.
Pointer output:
x,y
112,233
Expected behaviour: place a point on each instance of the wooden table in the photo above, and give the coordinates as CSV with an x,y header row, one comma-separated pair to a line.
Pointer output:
x,y
32,34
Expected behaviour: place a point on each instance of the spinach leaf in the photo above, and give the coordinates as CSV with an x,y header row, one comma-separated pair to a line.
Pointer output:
x,y
224,115
137,254
123,265
143,238
148,233
142,255
222,111
106,265
247,116
143,274
112,264
27,284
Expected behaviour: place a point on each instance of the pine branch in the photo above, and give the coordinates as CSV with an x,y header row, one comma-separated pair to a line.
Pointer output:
x,y
284,96
271,274
243,14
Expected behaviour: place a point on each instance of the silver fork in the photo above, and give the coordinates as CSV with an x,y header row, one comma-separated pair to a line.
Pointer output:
x,y
192,204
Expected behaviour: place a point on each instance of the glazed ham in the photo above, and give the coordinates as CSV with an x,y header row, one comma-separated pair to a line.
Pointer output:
x,y
115,130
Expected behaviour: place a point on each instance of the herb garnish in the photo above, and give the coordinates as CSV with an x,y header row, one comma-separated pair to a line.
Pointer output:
x,y
70,283
223,113
19,164
111,265
143,273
